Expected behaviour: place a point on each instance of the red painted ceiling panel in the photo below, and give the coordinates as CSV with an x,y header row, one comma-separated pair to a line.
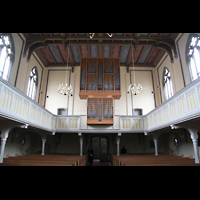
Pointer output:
x,y
63,52
45,33
47,54
115,51
137,53
84,50
153,54
155,34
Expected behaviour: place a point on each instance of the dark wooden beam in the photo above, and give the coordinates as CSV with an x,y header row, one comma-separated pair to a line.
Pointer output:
x,y
97,39
167,45
60,54
158,57
120,51
140,55
88,46
42,57
136,65
51,55
149,55
100,50
78,64
129,56
71,57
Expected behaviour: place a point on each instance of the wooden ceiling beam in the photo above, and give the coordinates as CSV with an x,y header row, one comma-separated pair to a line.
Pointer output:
x,y
169,47
140,55
42,57
100,50
111,49
137,34
120,51
60,65
43,38
78,64
89,50
158,57
51,54
129,56
79,49
71,57
149,55
60,54
98,40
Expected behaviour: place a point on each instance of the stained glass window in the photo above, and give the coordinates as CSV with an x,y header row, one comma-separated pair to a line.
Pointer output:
x,y
167,84
32,83
6,56
193,56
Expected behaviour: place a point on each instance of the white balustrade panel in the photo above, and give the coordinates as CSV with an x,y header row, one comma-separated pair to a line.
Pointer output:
x,y
183,106
17,106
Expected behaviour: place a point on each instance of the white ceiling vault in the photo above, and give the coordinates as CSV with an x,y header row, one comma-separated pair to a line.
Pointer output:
x,y
53,48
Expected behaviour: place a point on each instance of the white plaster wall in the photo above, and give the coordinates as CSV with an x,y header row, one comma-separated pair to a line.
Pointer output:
x,y
175,68
56,100
16,147
23,66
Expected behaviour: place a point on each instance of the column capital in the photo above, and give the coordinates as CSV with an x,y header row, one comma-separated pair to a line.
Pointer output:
x,y
119,134
43,140
79,134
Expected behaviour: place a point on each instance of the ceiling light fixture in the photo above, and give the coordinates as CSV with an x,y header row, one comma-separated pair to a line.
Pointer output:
x,y
63,88
92,35
133,88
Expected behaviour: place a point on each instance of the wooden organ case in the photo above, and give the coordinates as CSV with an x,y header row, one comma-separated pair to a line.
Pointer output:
x,y
100,85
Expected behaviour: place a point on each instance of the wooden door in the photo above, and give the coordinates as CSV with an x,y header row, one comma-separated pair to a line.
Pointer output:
x,y
96,147
100,148
104,150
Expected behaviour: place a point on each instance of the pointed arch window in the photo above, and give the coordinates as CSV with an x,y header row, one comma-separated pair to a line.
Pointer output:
x,y
167,84
193,56
32,83
6,56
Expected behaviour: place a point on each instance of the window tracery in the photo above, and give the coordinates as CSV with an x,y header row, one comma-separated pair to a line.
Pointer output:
x,y
193,56
167,84
6,56
32,83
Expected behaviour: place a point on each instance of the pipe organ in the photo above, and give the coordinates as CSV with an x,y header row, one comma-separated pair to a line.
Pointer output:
x,y
100,85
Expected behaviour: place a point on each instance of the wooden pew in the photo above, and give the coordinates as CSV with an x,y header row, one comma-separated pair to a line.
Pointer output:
x,y
46,160
151,160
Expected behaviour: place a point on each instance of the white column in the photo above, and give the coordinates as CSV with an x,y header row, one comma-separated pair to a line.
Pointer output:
x,y
3,142
118,143
4,136
155,139
81,145
156,146
43,146
194,137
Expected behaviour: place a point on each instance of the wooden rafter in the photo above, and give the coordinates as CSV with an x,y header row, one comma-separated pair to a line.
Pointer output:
x,y
165,43
140,55
60,54
100,51
51,55
149,55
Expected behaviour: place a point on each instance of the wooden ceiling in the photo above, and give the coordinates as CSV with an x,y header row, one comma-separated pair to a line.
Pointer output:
x,y
147,48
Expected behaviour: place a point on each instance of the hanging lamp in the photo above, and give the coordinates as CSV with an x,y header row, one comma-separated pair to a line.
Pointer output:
x,y
64,88
133,87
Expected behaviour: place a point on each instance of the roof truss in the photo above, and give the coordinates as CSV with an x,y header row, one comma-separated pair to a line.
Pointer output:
x,y
80,45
